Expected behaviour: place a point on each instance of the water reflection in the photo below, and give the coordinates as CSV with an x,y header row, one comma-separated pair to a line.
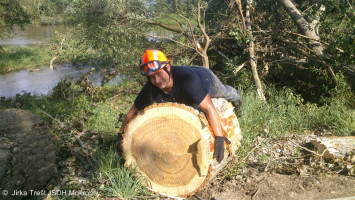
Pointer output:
x,y
42,82
33,35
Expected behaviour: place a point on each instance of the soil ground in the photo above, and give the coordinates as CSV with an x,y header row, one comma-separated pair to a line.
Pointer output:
x,y
266,185
286,168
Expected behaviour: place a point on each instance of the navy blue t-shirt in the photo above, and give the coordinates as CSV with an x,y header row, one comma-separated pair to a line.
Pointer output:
x,y
188,88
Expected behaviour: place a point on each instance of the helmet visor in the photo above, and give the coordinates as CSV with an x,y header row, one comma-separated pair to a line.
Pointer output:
x,y
151,67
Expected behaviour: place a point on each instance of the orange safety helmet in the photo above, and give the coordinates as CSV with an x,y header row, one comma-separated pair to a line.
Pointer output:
x,y
152,61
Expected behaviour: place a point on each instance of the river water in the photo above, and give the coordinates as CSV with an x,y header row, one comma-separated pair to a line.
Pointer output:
x,y
42,82
33,35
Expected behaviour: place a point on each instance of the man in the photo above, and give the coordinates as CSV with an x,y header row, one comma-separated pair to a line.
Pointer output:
x,y
188,85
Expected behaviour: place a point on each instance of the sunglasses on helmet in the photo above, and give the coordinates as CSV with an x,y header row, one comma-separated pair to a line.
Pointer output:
x,y
151,67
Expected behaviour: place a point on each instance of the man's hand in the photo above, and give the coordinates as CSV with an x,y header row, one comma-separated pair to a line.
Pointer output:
x,y
219,148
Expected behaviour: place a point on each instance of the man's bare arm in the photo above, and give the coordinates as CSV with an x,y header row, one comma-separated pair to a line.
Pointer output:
x,y
212,116
213,119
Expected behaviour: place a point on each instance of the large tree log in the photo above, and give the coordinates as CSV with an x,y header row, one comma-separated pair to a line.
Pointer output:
x,y
172,145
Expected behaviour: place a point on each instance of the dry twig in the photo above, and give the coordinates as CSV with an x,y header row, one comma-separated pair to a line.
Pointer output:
x,y
304,148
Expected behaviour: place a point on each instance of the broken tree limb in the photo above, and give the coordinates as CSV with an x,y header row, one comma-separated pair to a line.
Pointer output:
x,y
252,56
55,57
172,145
237,69
306,29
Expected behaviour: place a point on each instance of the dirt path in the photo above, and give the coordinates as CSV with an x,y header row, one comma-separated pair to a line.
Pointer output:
x,y
267,185
284,168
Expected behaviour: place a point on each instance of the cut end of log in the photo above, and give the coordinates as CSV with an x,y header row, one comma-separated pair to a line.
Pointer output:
x,y
172,145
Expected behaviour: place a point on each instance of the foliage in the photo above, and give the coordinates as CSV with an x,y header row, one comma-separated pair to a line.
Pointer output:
x,y
338,19
16,12
113,33
100,29
70,47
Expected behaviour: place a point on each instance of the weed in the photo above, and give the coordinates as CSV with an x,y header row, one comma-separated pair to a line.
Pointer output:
x,y
121,181
104,119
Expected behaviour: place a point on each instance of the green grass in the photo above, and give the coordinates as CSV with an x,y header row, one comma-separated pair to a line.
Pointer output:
x,y
104,119
17,58
121,181
285,113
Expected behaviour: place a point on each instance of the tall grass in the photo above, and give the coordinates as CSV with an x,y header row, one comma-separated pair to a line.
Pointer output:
x,y
17,58
286,113
104,119
122,182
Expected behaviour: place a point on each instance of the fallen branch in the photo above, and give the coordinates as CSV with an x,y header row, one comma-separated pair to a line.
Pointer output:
x,y
253,196
304,148
81,143
61,124
239,68
197,197
326,43
55,57
224,56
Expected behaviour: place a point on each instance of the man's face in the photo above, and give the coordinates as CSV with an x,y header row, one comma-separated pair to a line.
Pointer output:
x,y
161,80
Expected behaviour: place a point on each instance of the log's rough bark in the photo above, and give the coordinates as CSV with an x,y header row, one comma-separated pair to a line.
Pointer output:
x,y
309,30
27,152
172,145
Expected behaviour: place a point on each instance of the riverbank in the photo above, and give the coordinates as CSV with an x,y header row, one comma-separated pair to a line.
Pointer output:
x,y
18,58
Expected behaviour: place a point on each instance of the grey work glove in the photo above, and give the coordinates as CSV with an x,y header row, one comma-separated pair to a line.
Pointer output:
x,y
219,148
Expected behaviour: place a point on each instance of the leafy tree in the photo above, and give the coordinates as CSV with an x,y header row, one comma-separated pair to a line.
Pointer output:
x,y
16,12
104,27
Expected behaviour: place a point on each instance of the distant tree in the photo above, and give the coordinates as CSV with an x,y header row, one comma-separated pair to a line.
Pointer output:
x,y
16,12
192,22
105,27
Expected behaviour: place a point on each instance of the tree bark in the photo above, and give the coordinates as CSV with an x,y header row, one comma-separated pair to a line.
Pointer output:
x,y
203,51
253,62
309,30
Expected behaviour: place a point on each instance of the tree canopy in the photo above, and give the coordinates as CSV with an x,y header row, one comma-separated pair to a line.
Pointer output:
x,y
302,52
15,12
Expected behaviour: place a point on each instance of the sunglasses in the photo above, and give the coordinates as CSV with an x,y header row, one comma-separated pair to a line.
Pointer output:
x,y
151,67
